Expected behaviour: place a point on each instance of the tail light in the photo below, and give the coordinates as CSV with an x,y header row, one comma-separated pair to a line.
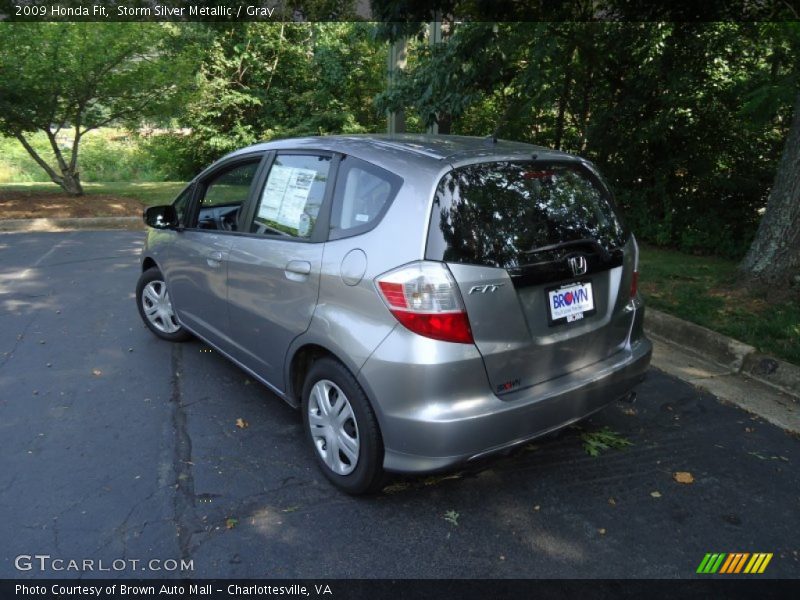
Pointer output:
x,y
424,297
635,274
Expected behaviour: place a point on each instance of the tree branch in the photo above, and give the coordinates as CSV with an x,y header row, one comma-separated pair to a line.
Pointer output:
x,y
56,150
39,160
275,63
73,159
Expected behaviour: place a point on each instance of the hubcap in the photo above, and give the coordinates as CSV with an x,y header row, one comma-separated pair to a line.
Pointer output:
x,y
333,427
158,308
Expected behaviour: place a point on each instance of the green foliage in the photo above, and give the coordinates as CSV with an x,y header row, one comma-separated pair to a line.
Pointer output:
x,y
173,154
71,78
452,516
685,119
260,81
86,75
595,442
106,155
119,159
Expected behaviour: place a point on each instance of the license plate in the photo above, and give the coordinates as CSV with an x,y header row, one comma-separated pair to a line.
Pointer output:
x,y
570,303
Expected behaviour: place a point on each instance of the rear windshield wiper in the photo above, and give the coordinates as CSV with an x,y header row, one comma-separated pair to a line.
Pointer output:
x,y
604,254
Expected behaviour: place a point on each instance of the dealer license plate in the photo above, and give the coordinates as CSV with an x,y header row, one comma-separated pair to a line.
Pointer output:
x,y
570,303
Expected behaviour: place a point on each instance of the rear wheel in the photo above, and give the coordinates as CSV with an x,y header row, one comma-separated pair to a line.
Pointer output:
x,y
155,307
341,427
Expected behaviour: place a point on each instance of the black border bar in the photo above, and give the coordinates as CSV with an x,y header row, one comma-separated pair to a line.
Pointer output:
x,y
732,587
398,11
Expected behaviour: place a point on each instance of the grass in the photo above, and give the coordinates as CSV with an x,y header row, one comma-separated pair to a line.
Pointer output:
x,y
149,193
703,290
107,154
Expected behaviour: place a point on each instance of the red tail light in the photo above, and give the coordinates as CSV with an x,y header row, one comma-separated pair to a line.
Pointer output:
x,y
634,283
635,274
424,297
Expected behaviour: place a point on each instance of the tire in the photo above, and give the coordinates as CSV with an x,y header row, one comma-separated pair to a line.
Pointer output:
x,y
155,308
357,465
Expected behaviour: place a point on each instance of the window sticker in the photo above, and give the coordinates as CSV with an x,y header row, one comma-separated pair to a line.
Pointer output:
x,y
285,195
304,228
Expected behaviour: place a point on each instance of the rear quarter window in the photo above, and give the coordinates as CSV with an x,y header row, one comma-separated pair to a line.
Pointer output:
x,y
504,214
362,196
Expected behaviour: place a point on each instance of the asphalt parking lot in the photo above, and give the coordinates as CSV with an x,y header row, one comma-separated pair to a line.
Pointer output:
x,y
116,445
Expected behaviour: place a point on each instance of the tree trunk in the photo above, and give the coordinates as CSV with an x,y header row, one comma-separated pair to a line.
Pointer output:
x,y
563,100
71,183
445,122
774,256
69,180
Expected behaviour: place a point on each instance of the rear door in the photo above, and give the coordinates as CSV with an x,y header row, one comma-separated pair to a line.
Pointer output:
x,y
274,267
543,264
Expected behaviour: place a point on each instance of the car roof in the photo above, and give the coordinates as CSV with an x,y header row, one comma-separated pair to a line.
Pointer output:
x,y
401,152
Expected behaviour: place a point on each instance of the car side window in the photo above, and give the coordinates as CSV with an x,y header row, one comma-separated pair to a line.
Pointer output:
x,y
223,194
363,194
293,193
181,204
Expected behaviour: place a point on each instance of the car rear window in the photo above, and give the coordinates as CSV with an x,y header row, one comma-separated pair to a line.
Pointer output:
x,y
505,214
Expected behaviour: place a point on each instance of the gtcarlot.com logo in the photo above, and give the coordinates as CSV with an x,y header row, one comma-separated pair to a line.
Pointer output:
x,y
46,563
733,563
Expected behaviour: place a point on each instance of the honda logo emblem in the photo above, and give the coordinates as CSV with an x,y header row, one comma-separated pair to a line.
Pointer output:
x,y
578,264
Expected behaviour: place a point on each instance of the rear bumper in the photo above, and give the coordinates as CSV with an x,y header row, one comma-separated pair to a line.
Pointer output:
x,y
440,413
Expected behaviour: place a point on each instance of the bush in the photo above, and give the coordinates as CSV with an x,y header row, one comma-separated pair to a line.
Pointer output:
x,y
175,154
117,158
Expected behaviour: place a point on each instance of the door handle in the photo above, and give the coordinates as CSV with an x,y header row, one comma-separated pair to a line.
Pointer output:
x,y
297,270
214,259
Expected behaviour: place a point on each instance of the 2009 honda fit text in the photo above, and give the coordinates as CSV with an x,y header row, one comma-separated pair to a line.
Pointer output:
x,y
424,300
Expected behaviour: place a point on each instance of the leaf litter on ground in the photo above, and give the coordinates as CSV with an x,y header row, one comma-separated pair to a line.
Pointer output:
x,y
595,442
451,516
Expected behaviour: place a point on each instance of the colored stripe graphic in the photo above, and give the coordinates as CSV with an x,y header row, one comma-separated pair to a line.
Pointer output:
x,y
711,562
704,563
755,561
767,558
717,563
744,558
734,563
729,563
737,563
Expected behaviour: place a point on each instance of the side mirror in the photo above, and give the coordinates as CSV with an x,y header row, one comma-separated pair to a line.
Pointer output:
x,y
161,217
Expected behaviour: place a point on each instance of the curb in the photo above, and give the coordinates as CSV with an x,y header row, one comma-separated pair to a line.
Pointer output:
x,y
67,224
779,373
732,354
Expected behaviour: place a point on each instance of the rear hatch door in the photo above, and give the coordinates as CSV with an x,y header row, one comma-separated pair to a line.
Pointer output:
x,y
542,261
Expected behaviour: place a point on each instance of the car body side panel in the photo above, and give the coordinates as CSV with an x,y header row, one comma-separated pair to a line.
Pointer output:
x,y
196,274
350,319
268,303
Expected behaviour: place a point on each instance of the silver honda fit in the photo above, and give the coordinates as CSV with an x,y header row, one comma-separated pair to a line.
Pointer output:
x,y
424,301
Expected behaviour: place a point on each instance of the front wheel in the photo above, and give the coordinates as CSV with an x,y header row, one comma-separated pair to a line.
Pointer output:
x,y
156,309
341,427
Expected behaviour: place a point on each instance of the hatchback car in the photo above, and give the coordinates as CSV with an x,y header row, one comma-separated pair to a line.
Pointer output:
x,y
425,301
